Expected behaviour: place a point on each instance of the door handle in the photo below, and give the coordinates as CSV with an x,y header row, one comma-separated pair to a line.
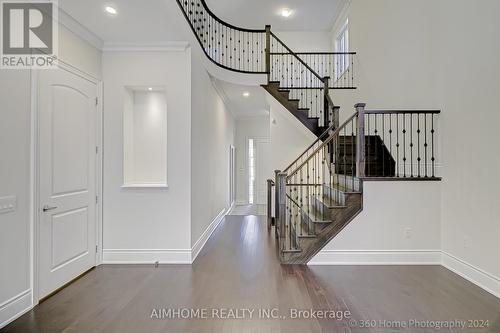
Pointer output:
x,y
46,208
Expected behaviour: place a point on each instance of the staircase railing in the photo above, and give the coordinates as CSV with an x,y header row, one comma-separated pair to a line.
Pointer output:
x,y
338,162
262,52
333,164
304,83
409,137
338,66
233,48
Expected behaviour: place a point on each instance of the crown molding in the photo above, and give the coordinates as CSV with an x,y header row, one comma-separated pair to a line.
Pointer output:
x,y
145,47
78,29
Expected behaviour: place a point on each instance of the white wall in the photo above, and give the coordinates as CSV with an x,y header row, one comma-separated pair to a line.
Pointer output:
x,y
80,54
212,133
394,55
466,61
247,128
428,54
400,223
145,137
289,137
147,219
306,41
15,128
14,180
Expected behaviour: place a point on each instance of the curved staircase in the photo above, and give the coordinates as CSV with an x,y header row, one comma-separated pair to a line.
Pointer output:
x,y
321,191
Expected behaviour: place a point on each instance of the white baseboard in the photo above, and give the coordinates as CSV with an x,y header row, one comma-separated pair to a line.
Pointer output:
x,y
15,307
386,257
479,277
200,243
146,256
163,256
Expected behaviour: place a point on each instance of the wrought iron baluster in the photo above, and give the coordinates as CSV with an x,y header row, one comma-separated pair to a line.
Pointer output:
x,y
418,143
411,145
404,146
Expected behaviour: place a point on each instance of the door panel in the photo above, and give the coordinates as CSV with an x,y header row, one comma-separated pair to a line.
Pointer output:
x,y
67,162
70,236
70,136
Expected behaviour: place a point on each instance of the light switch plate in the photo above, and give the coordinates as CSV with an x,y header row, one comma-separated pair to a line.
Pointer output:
x,y
8,204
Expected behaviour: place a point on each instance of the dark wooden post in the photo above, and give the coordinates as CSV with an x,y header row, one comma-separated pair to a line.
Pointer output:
x,y
276,205
360,142
270,220
281,204
268,52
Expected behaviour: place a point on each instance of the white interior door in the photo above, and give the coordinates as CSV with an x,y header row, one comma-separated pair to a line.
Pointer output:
x,y
262,172
67,172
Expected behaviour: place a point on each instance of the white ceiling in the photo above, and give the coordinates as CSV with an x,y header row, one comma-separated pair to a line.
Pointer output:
x,y
240,106
161,20
136,21
308,15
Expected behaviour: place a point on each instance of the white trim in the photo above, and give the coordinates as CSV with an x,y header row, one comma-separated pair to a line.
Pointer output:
x,y
34,186
371,257
146,47
15,307
163,256
146,256
79,30
145,185
477,276
100,170
200,243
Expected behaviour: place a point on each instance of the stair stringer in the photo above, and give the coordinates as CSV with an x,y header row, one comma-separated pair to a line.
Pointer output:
x,y
285,115
339,216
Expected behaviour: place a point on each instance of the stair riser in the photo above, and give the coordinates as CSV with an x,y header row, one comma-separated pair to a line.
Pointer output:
x,y
332,213
312,246
310,227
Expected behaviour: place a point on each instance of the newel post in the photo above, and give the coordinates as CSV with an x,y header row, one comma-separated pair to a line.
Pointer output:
x,y
276,202
360,141
281,205
268,52
270,220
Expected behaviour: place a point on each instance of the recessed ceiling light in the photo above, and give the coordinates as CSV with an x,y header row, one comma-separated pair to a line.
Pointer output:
x,y
111,10
150,89
246,94
285,12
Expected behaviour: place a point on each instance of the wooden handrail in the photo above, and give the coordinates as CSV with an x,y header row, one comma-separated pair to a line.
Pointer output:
x,y
330,128
298,58
204,4
327,141
402,111
319,53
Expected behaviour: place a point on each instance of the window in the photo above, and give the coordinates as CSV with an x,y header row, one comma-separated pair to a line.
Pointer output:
x,y
251,171
144,137
342,46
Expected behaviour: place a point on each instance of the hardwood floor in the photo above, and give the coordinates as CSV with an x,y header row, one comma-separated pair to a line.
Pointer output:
x,y
238,269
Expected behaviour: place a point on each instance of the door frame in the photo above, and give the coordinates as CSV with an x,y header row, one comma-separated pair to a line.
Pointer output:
x,y
35,210
232,175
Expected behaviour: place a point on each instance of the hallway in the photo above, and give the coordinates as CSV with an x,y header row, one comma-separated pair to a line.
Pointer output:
x,y
238,269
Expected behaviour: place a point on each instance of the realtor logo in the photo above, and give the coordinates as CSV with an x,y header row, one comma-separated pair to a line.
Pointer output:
x,y
29,34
